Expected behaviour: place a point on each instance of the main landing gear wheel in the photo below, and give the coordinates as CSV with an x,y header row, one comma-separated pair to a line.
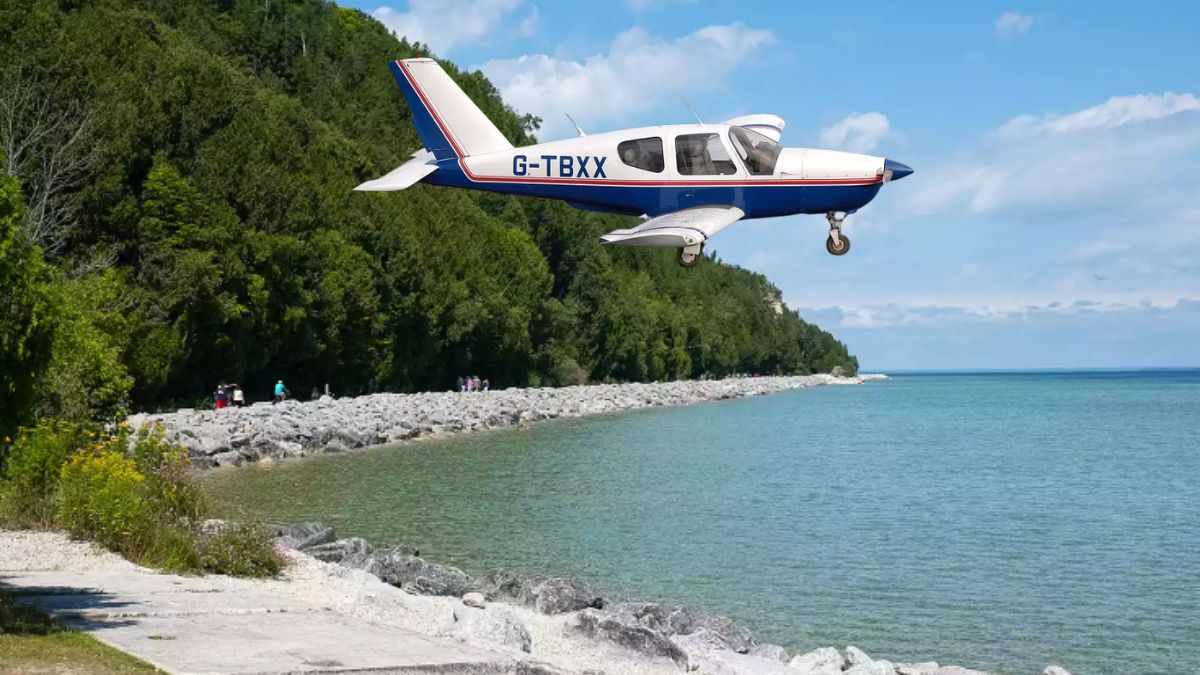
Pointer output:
x,y
689,256
837,243
839,246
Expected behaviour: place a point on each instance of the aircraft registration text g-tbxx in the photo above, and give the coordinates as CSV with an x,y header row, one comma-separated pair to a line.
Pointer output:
x,y
689,180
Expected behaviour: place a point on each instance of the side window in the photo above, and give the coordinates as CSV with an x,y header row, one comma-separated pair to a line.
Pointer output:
x,y
643,153
702,155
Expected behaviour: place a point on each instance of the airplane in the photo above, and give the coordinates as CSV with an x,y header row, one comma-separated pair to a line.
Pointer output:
x,y
689,181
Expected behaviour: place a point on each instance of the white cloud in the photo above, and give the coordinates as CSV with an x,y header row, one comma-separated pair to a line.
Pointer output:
x,y
446,24
857,133
1012,24
1117,111
1131,154
639,72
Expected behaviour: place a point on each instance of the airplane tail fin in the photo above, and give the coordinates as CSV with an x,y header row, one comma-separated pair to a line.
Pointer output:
x,y
448,122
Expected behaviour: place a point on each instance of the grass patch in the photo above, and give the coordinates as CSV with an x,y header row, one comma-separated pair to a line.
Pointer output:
x,y
31,642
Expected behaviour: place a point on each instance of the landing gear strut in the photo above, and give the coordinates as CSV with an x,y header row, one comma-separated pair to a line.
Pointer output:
x,y
690,255
837,243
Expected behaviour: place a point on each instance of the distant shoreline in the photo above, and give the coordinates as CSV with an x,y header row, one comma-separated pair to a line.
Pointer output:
x,y
262,431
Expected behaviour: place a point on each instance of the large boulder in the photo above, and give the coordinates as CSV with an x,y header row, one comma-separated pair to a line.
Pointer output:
x,y
629,633
416,575
923,668
548,595
674,620
823,661
340,550
557,595
496,625
770,652
304,535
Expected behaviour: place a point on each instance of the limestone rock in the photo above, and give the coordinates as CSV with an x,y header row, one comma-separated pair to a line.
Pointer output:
x,y
304,535
474,599
418,576
495,625
823,661
856,657
674,620
879,667
923,668
558,595
340,550
628,633
770,652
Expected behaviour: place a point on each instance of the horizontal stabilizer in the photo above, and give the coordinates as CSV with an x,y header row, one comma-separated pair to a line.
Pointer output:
x,y
677,230
404,176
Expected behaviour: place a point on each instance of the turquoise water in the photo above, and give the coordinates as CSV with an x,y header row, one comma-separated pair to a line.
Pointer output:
x,y
1002,521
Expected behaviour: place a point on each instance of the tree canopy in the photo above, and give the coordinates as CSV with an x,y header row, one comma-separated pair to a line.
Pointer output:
x,y
207,230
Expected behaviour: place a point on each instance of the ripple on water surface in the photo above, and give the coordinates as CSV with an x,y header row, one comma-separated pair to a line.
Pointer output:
x,y
1002,520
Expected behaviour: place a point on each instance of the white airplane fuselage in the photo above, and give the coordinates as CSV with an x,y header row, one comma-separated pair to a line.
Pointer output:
x,y
691,180
589,172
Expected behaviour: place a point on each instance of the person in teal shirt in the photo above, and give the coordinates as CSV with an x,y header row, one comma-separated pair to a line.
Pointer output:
x,y
280,392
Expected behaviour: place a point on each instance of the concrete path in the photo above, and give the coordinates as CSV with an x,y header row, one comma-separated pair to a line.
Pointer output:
x,y
193,625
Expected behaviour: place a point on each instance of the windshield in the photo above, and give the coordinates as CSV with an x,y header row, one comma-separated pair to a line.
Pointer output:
x,y
757,151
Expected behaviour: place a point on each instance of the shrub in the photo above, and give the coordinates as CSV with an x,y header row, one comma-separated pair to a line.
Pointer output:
x,y
130,492
31,473
101,498
241,551
166,467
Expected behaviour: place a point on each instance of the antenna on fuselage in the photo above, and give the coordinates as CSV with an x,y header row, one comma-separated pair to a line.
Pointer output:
x,y
581,133
691,109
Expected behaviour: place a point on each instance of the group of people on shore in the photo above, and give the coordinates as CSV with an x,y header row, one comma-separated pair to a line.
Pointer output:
x,y
232,395
228,395
473,383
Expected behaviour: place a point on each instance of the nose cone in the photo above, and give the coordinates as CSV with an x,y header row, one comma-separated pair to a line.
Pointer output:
x,y
895,170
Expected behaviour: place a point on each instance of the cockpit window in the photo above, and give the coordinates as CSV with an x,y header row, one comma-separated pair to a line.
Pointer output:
x,y
643,153
702,155
757,151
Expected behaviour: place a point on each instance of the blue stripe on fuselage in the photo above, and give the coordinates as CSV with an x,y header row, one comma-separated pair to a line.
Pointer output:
x,y
757,201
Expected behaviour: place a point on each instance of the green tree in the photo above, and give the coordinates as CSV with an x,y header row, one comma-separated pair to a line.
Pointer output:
x,y
27,318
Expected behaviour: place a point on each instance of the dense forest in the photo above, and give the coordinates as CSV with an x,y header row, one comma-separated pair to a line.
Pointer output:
x,y
176,210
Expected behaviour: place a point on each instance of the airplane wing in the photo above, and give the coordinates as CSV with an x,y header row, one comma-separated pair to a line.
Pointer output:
x,y
689,227
404,176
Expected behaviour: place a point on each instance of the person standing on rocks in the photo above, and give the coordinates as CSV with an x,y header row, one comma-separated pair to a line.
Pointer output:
x,y
280,393
487,385
239,396
461,385
219,397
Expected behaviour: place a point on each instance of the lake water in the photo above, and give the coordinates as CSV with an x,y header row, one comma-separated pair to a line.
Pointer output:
x,y
1001,521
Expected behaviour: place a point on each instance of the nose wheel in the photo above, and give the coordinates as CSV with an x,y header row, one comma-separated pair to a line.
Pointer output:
x,y
689,256
837,243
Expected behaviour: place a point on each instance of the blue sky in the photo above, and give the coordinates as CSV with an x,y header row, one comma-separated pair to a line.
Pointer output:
x,y
1054,218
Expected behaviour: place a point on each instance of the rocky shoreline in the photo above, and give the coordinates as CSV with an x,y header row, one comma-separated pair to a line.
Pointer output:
x,y
663,635
233,436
